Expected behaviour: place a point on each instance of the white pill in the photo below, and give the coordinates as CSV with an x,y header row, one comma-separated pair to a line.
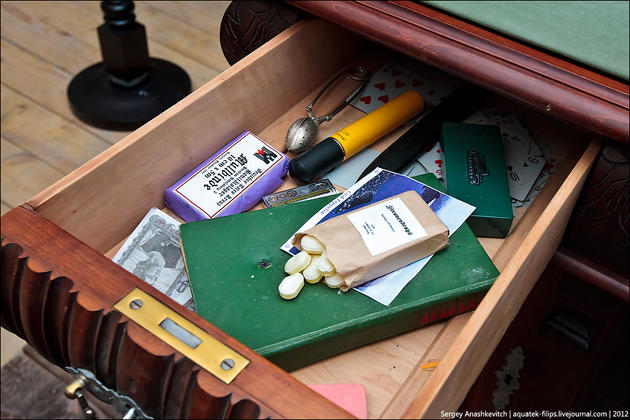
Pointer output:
x,y
297,263
312,273
291,286
334,281
312,245
325,266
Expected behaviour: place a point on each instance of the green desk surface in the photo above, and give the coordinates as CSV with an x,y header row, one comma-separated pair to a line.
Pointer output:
x,y
594,33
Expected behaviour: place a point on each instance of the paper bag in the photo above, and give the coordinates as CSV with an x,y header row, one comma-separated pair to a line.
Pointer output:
x,y
380,238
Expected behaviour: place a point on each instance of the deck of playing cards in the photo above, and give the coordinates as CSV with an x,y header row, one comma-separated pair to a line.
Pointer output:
x,y
394,79
528,163
524,158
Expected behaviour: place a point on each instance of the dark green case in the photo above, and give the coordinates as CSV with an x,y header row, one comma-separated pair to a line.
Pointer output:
x,y
476,174
226,259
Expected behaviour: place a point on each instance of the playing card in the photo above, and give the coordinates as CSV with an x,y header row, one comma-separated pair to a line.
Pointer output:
x,y
522,180
386,84
433,160
515,151
476,118
394,79
434,86
539,183
516,140
517,204
553,156
414,168
538,186
523,156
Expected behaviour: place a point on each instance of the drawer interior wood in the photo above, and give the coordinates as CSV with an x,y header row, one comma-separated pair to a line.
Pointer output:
x,y
101,202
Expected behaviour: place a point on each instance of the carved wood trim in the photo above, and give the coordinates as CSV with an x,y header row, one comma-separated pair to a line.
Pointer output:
x,y
600,226
246,25
546,83
58,294
582,267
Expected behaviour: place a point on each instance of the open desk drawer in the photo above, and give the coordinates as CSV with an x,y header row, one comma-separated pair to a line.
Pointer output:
x,y
59,285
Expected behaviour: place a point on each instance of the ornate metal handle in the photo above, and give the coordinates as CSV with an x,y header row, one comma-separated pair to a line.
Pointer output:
x,y
86,381
360,74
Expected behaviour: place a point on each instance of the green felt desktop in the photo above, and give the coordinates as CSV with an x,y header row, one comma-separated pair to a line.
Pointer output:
x,y
592,32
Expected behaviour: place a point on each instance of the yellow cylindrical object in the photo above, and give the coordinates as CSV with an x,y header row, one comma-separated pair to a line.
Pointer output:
x,y
379,122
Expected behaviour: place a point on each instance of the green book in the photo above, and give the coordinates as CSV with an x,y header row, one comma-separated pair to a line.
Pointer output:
x,y
235,265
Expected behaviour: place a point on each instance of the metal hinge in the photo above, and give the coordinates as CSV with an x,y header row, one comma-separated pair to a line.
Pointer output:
x,y
86,381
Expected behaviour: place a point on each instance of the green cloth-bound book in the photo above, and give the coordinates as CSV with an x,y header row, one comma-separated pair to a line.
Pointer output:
x,y
235,265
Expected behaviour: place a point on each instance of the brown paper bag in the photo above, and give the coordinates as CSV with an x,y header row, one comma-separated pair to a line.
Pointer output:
x,y
380,238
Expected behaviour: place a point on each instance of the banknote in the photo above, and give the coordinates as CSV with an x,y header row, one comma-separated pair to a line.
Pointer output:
x,y
152,253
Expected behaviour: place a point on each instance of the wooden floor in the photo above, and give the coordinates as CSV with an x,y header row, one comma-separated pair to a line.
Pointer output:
x,y
44,44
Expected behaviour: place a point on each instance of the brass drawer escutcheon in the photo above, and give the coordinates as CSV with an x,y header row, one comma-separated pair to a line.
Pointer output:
x,y
182,335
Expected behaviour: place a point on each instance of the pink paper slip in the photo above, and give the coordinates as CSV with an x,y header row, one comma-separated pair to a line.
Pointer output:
x,y
350,397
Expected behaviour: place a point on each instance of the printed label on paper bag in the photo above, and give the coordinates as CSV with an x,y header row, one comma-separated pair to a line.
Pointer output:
x,y
386,226
221,181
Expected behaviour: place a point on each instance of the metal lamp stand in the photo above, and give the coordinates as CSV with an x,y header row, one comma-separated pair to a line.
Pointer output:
x,y
128,88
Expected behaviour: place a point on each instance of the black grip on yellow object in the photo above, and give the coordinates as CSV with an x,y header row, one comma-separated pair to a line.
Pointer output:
x,y
323,157
350,140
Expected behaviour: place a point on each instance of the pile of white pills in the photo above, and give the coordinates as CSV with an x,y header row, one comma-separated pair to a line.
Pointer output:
x,y
310,264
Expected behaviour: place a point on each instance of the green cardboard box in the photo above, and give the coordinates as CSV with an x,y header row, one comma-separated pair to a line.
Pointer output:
x,y
475,173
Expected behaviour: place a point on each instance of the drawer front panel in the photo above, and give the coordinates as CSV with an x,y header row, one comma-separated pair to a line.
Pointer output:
x,y
39,259
600,227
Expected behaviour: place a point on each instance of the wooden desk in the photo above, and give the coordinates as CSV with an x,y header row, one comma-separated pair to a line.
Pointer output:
x,y
59,287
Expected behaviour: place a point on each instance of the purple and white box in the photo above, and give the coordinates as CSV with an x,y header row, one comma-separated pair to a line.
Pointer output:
x,y
231,181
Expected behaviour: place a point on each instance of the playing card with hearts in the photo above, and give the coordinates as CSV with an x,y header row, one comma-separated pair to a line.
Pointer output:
x,y
394,79
433,160
434,86
414,168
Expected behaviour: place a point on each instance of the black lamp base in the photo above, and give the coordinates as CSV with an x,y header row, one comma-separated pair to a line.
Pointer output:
x,y
99,102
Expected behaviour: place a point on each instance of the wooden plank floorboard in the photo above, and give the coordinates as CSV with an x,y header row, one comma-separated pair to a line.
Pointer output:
x,y
42,82
201,15
23,174
29,25
211,9
43,45
200,45
4,207
55,140
67,37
